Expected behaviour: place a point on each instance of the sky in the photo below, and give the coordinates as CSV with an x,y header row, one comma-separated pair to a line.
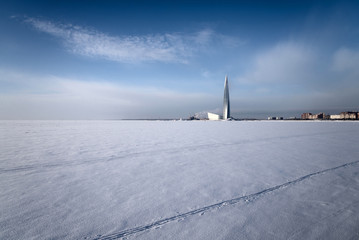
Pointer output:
x,y
168,59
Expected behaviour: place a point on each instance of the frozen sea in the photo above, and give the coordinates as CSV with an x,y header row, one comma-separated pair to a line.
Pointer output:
x,y
179,180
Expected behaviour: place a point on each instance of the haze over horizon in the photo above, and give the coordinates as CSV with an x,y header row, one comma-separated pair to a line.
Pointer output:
x,y
141,59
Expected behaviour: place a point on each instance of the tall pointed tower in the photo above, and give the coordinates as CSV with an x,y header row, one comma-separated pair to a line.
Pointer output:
x,y
226,106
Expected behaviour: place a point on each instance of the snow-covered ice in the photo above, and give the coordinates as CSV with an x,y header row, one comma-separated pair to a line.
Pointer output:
x,y
179,180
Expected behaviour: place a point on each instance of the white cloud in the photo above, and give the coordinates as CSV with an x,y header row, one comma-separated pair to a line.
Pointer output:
x,y
205,73
346,59
52,97
284,63
170,47
28,96
295,76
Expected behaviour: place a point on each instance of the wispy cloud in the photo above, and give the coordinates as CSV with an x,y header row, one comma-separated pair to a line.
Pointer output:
x,y
346,59
170,47
31,96
296,76
284,63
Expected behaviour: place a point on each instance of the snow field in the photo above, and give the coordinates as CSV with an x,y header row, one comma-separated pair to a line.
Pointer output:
x,y
96,179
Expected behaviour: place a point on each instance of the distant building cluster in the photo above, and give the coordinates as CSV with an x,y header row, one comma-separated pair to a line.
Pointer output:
x,y
350,115
323,116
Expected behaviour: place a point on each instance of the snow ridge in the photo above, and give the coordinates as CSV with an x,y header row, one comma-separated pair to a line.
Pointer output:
x,y
249,197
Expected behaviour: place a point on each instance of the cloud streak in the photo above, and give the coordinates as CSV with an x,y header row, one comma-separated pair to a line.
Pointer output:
x,y
169,47
28,96
346,60
291,75
284,63
51,97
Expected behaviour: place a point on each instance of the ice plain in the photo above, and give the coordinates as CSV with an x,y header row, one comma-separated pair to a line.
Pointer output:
x,y
179,180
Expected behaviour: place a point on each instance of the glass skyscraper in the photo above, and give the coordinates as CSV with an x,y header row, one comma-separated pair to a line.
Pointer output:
x,y
226,106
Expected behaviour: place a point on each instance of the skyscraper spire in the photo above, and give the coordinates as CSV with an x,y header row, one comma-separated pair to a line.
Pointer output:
x,y
226,106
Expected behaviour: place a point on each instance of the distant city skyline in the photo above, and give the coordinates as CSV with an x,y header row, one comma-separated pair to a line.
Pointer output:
x,y
157,59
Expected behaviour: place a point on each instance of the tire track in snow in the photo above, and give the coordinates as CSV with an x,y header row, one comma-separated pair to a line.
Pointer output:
x,y
253,196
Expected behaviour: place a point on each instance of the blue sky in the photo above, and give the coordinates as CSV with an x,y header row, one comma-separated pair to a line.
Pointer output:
x,y
168,59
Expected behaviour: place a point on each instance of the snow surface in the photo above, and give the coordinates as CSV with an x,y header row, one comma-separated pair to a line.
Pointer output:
x,y
179,180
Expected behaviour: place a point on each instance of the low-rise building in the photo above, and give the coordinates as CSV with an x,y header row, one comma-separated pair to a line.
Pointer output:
x,y
310,116
306,116
349,115
275,118
320,116
213,116
335,117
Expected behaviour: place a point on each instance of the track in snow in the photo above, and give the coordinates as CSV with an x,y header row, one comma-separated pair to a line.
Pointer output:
x,y
128,232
